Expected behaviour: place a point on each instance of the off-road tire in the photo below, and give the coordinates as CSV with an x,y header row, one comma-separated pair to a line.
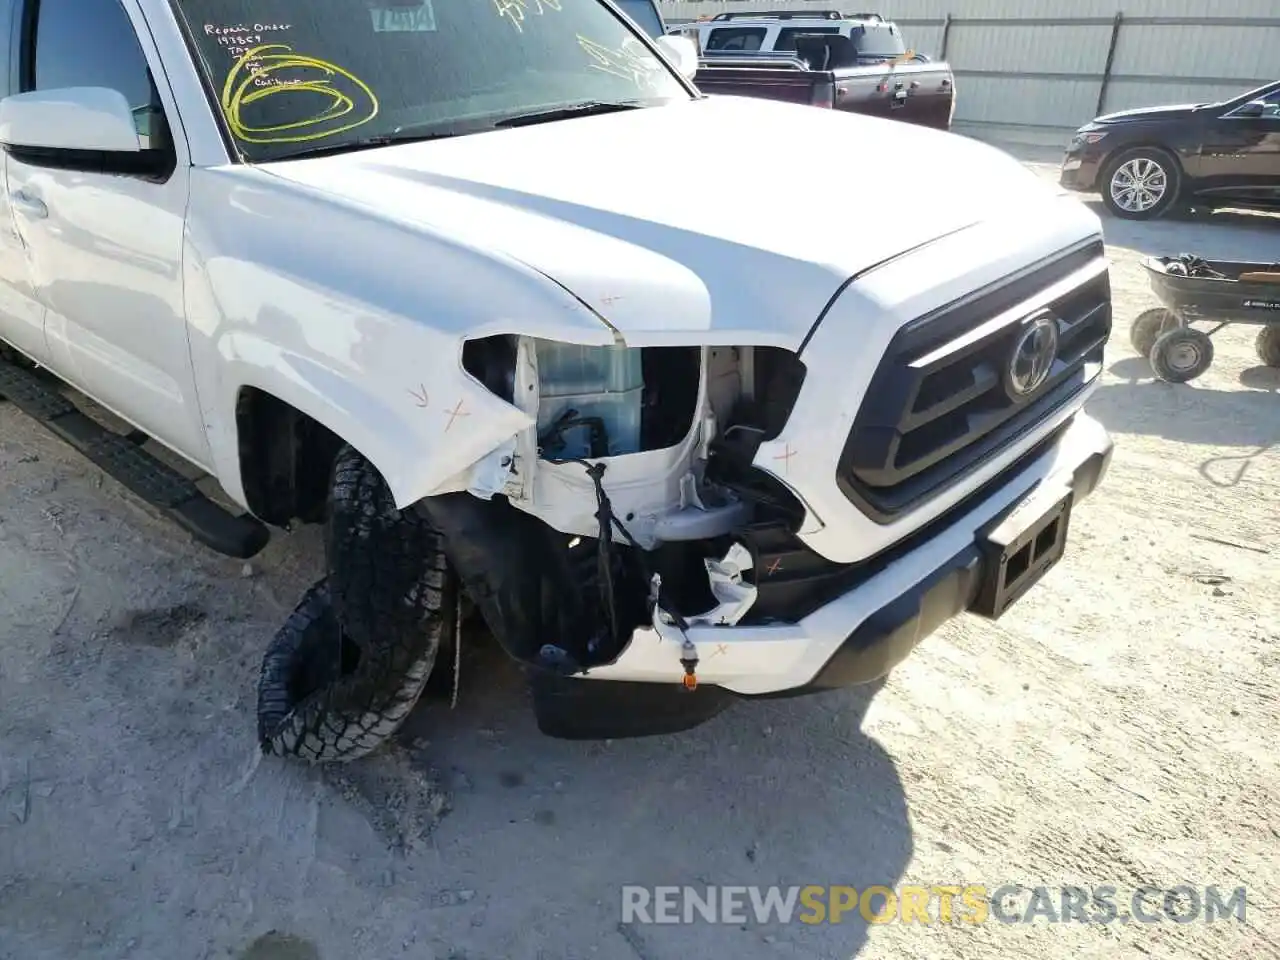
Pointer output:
x,y
1181,355
1147,327
387,572
1268,345
1171,197
324,701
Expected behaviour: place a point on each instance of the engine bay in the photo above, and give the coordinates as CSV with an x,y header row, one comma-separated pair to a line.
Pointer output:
x,y
625,506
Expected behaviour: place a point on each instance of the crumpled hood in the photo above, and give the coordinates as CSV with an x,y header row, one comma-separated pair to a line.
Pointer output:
x,y
726,214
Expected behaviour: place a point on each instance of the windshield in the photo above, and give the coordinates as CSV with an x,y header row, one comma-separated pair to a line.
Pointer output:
x,y
1268,92
879,41
291,76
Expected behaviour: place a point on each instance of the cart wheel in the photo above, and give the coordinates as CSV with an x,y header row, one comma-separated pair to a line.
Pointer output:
x,y
1268,345
1181,355
1149,325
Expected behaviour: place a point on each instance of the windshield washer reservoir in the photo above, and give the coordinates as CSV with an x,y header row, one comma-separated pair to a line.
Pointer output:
x,y
604,385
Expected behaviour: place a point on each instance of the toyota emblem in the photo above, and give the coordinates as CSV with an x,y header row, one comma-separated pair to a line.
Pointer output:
x,y
1032,358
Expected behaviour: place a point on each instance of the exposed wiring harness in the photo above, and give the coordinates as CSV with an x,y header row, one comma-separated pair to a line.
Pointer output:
x,y
552,440
606,563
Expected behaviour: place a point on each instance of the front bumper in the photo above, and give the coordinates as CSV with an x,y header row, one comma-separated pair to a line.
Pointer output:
x,y
856,638
1081,168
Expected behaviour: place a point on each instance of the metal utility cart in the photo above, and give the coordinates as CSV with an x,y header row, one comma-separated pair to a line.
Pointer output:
x,y
1217,291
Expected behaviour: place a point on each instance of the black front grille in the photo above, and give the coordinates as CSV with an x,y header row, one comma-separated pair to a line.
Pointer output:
x,y
938,407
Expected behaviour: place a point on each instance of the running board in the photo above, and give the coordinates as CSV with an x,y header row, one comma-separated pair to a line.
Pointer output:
x,y
122,458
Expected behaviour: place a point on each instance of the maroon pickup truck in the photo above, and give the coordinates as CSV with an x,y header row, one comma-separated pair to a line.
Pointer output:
x,y
854,62
913,92
828,70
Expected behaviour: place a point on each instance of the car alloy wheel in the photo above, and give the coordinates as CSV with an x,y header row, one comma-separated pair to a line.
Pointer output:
x,y
1138,185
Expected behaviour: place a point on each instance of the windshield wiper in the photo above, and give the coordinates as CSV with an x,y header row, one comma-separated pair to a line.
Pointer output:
x,y
366,143
584,109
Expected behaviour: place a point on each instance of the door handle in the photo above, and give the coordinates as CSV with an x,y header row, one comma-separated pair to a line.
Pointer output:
x,y
31,206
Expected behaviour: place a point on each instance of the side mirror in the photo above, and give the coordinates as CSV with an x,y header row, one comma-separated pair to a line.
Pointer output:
x,y
95,119
1254,108
681,52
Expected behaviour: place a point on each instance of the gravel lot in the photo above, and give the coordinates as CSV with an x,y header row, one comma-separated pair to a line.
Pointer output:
x,y
1119,727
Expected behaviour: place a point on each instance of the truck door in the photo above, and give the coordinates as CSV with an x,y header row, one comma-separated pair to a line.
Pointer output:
x,y
21,314
104,250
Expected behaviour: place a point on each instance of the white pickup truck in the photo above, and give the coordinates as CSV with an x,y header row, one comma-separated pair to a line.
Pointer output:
x,y
486,287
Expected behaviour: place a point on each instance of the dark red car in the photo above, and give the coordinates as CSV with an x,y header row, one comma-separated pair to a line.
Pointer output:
x,y
1148,161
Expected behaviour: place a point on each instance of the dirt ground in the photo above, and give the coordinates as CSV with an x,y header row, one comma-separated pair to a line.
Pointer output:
x,y
1118,727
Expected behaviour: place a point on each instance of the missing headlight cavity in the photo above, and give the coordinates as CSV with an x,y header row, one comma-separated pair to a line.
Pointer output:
x,y
492,361
772,381
597,401
565,570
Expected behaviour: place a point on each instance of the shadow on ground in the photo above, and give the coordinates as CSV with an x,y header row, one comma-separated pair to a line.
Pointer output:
x,y
1195,414
783,792
1186,413
1261,378
1218,235
1131,369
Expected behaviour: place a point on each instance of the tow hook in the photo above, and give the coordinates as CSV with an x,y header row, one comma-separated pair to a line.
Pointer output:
x,y
689,660
688,649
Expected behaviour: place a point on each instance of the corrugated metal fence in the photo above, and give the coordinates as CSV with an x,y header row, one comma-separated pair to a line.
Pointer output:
x,y
1032,71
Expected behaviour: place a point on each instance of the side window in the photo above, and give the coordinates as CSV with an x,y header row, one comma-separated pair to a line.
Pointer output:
x,y
736,38
91,43
1270,107
787,35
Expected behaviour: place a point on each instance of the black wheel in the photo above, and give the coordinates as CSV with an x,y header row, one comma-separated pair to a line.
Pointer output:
x,y
1141,184
1181,355
1268,345
322,699
387,571
1149,325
